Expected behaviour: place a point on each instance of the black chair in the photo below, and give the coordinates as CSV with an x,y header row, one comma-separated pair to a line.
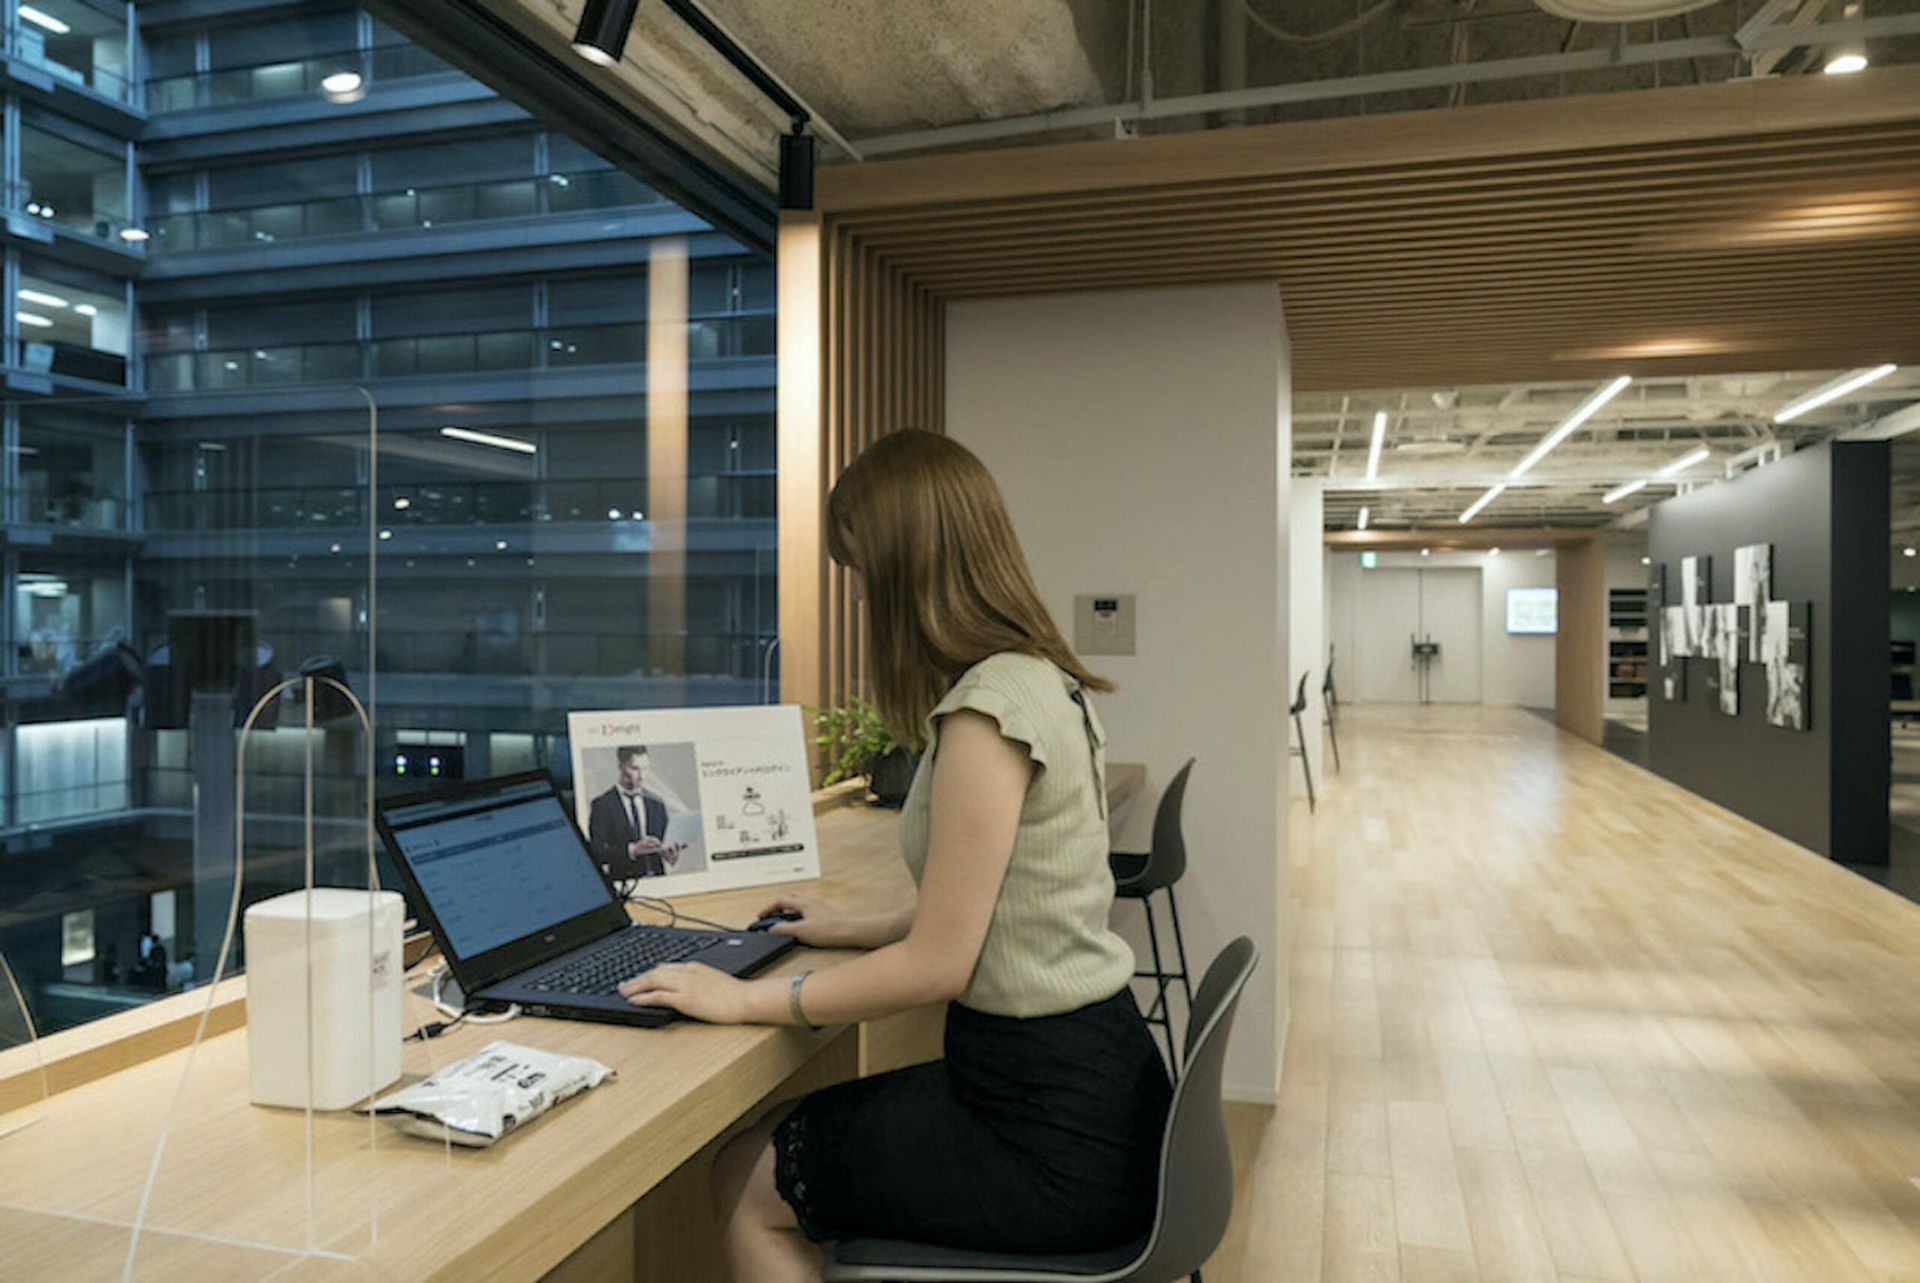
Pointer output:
x,y
1137,877
1300,732
1195,1192
1330,701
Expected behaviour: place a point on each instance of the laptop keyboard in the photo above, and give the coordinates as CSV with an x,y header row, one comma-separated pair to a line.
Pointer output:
x,y
603,970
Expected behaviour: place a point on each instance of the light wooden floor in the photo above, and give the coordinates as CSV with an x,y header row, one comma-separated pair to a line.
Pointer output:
x,y
1554,1017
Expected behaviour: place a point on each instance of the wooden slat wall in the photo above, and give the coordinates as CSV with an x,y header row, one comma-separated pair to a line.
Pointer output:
x,y
878,370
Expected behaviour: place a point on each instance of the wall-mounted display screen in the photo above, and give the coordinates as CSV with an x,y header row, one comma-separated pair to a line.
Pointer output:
x,y
1533,610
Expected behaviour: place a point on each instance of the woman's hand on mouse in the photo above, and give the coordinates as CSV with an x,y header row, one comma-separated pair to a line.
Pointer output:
x,y
820,924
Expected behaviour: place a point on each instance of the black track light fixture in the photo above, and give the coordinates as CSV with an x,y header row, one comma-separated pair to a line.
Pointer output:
x,y
796,169
602,34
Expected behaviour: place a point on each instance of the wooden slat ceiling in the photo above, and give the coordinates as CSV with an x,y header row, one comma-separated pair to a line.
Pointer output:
x,y
1713,229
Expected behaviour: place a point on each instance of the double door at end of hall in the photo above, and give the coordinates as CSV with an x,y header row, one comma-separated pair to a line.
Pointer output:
x,y
1398,607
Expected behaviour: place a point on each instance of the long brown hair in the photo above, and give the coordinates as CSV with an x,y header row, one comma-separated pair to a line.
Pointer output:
x,y
919,516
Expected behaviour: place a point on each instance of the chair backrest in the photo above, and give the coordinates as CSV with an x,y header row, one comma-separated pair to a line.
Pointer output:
x,y
1196,1168
1300,693
1167,857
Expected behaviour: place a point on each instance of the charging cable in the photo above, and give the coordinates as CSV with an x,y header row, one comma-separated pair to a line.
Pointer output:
x,y
454,1015
674,915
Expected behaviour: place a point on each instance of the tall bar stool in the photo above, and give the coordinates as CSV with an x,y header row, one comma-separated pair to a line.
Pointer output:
x,y
1137,877
1300,733
1330,701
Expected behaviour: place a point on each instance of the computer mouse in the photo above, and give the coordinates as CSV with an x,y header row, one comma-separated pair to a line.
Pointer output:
x,y
778,915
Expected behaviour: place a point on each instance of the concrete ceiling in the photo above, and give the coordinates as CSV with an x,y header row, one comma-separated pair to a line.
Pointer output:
x,y
1445,446
883,71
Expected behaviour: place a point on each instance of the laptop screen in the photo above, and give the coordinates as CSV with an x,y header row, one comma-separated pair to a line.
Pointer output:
x,y
495,867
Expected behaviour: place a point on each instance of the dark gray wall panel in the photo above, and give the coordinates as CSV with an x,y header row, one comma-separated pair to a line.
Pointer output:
x,y
1824,511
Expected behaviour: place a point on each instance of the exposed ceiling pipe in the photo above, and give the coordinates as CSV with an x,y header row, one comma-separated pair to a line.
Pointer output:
x,y
1885,428
1106,116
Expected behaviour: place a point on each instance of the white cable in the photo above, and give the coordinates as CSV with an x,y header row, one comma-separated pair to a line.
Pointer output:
x,y
448,1010
1284,36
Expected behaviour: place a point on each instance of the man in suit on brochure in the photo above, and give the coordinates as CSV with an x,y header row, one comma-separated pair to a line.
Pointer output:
x,y
627,823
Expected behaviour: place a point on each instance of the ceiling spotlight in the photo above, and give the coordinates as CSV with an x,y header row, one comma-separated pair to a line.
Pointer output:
x,y
602,34
1686,461
1473,509
1493,552
1621,492
1907,551
1362,523
1426,552
1830,392
403,503
1646,561
1845,64
1843,59
1373,451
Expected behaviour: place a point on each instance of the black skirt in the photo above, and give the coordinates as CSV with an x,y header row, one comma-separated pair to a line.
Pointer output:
x,y
1039,1135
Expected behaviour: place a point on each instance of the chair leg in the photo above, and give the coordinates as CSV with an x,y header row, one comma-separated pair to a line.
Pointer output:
x,y
1306,766
1333,736
1180,947
1165,1020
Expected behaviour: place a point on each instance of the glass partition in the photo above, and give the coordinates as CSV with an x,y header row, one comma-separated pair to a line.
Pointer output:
x,y
72,185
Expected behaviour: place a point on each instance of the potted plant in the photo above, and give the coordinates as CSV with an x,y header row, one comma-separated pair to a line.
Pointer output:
x,y
857,743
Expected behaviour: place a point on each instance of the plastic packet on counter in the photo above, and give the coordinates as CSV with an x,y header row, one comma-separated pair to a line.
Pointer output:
x,y
501,1087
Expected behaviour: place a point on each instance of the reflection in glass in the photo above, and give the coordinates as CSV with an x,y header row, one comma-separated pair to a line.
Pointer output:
x,y
571,505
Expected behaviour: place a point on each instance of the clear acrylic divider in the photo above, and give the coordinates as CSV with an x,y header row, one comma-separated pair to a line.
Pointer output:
x,y
23,1075
167,1168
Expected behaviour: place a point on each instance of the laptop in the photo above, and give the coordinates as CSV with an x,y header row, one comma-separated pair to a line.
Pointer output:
x,y
523,914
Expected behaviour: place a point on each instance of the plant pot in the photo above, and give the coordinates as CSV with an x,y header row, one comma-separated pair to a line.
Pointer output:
x,y
892,776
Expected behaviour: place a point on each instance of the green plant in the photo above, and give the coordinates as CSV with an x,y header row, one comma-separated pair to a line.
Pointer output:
x,y
854,738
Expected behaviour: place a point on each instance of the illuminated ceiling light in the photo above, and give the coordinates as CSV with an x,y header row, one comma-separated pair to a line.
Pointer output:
x,y
32,318
1845,64
1588,408
1686,461
344,86
1473,509
1426,552
403,503
386,534
1827,393
1646,561
1493,552
500,545
1373,451
38,296
1620,492
1907,551
1362,523
488,438
613,514
1848,56
30,14
602,34
134,234
86,309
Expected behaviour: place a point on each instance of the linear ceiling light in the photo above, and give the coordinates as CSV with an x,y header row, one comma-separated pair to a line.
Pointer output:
x,y
1686,461
44,299
32,318
1373,451
1362,523
1473,509
1620,492
602,34
1827,393
1588,408
488,438
47,20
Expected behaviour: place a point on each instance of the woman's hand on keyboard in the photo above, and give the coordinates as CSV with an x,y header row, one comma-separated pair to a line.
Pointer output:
x,y
692,989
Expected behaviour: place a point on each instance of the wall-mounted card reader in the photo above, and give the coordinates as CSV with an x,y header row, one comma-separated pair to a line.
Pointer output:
x,y
1103,623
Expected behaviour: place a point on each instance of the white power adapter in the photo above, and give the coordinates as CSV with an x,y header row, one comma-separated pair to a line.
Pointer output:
x,y
350,1034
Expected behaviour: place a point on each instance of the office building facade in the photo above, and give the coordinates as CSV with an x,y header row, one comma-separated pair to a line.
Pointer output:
x,y
243,242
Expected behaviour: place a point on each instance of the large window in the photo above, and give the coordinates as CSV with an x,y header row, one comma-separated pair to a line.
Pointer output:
x,y
77,43
204,509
